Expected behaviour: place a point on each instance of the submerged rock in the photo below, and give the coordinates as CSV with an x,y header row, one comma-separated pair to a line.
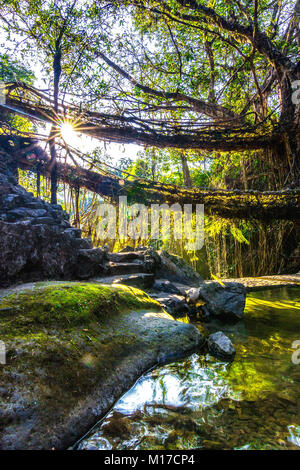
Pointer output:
x,y
220,346
72,350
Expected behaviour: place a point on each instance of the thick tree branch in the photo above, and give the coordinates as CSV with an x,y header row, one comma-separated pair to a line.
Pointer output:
x,y
211,110
263,44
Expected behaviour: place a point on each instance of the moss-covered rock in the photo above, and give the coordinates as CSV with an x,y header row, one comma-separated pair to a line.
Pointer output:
x,y
71,350
175,268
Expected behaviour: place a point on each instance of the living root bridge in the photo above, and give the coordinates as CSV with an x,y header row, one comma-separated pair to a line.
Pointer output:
x,y
124,129
261,205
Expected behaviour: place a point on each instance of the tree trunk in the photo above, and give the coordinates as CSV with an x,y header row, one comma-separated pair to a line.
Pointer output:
x,y
185,171
76,215
53,165
53,152
290,123
38,181
244,174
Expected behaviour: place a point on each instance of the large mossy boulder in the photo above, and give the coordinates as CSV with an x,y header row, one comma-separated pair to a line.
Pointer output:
x,y
223,300
72,349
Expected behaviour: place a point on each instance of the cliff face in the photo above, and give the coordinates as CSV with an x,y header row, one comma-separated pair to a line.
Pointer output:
x,y
36,239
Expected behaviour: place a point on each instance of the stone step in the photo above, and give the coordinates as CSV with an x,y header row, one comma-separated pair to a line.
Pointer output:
x,y
91,262
163,285
23,212
56,214
34,205
57,207
125,257
140,280
125,268
64,223
73,232
174,304
44,221
82,243
11,201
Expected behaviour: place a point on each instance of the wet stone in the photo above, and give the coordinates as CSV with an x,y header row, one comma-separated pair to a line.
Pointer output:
x,y
23,212
220,346
44,221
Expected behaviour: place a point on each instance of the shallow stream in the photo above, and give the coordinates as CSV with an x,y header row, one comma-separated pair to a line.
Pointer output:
x,y
200,402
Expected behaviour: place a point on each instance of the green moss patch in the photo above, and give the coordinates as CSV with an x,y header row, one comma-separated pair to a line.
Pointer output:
x,y
67,305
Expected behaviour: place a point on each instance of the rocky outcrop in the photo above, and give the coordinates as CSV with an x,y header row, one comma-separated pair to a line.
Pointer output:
x,y
225,301
72,349
174,304
141,269
132,268
38,242
139,280
174,268
164,285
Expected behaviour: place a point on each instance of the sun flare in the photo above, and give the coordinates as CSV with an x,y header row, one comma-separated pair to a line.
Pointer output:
x,y
67,132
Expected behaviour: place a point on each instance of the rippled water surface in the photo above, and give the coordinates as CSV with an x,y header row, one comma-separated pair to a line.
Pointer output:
x,y
200,402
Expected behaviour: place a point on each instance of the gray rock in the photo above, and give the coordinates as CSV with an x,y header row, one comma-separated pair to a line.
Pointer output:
x,y
126,268
125,257
175,268
82,243
175,305
11,201
126,249
192,295
23,212
166,286
35,205
140,280
226,301
65,215
106,249
90,262
31,252
54,214
56,207
220,346
73,232
35,245
44,221
141,248
65,224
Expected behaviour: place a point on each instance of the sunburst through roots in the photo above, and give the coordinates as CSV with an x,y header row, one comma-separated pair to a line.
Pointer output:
x,y
68,132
